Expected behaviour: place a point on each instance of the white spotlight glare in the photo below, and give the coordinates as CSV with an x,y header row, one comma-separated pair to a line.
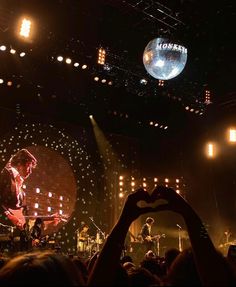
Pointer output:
x,y
232,135
84,67
76,64
143,81
12,51
25,28
3,48
68,61
22,54
59,58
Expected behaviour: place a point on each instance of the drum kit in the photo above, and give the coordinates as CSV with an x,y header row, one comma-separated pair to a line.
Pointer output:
x,y
91,245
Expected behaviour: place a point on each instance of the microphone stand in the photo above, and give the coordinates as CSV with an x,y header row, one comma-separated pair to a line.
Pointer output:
x,y
99,231
179,237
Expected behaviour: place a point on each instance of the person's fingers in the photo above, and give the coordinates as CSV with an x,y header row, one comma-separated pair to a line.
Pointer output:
x,y
140,194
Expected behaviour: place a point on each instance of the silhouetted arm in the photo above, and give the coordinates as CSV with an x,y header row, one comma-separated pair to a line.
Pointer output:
x,y
103,273
211,266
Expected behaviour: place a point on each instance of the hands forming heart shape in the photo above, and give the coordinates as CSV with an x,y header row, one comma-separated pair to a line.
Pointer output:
x,y
162,198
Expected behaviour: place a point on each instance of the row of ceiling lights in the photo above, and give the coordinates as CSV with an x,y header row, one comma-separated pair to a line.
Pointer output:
x,y
3,48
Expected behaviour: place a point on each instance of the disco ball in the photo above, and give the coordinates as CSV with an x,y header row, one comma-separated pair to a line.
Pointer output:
x,y
164,59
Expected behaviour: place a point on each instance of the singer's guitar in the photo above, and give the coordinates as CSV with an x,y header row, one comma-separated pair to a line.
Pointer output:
x,y
40,242
150,238
16,216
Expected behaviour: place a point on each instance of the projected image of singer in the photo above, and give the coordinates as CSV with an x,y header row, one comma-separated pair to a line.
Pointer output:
x,y
12,196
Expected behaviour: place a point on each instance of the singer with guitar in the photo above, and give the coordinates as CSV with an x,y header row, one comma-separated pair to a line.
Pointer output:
x,y
12,195
146,233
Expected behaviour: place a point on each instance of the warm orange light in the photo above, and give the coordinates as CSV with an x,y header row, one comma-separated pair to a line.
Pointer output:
x,y
25,28
232,135
211,150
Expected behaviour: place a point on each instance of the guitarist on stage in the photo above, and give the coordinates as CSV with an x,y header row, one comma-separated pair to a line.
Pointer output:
x,y
12,196
36,233
146,232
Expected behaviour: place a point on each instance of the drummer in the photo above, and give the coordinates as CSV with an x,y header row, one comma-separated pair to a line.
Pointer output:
x,y
83,239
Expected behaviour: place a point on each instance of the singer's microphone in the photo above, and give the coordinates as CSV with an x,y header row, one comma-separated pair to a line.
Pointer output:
x,y
178,226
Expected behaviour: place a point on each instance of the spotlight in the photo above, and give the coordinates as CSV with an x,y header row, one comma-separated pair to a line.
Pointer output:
x,y
1,81
25,28
59,58
12,51
91,116
103,81
76,64
143,81
68,61
3,48
232,135
101,56
211,150
96,79
22,54
121,195
84,67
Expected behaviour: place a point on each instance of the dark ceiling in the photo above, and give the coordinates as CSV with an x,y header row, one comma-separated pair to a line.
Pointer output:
x,y
76,29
